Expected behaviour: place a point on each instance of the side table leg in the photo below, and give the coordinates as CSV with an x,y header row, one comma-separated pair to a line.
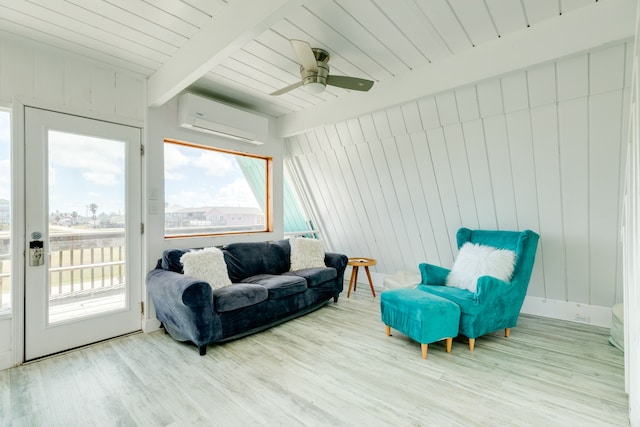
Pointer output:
x,y
366,268
354,277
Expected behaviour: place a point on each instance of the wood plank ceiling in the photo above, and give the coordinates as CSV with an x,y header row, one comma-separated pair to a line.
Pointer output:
x,y
374,39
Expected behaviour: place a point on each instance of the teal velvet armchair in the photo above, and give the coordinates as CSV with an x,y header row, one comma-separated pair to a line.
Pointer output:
x,y
496,304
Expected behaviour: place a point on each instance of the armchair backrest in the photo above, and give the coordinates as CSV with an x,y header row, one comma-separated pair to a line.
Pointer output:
x,y
523,243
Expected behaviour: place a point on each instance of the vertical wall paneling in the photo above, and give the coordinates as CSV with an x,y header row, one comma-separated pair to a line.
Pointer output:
x,y
501,173
545,143
429,113
375,232
604,156
542,85
49,77
573,126
534,149
525,185
16,71
410,167
385,232
447,109
479,174
442,240
383,168
128,90
514,92
78,85
412,119
392,147
459,165
573,77
490,98
444,181
103,93
467,103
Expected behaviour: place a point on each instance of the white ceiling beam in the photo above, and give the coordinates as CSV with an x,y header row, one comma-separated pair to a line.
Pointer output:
x,y
239,23
577,31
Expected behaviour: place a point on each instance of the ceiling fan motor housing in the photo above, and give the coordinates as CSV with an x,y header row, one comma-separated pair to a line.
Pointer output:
x,y
319,76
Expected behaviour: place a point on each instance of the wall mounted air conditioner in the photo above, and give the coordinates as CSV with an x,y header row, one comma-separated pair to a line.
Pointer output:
x,y
205,115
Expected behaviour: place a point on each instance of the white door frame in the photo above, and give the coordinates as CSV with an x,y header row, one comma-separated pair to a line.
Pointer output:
x,y
18,190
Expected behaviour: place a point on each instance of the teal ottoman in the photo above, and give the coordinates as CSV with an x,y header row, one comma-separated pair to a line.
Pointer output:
x,y
420,315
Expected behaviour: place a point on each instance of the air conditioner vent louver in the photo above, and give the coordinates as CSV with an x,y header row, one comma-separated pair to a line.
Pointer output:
x,y
205,115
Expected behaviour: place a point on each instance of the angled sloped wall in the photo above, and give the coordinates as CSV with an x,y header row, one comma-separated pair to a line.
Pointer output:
x,y
541,148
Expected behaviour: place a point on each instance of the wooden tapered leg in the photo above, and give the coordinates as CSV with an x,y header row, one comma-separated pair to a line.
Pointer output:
x,y
388,331
472,343
424,350
507,332
449,343
366,269
354,277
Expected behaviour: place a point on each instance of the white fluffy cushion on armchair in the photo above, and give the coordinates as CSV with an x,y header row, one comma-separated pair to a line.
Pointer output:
x,y
474,261
208,265
306,253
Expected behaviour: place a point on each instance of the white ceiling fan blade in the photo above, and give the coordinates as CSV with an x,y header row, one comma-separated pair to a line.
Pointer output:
x,y
305,55
347,82
286,89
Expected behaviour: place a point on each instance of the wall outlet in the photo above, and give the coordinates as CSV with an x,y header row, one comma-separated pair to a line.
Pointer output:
x,y
583,318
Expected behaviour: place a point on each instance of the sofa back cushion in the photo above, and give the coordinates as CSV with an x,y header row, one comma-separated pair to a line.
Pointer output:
x,y
254,258
171,260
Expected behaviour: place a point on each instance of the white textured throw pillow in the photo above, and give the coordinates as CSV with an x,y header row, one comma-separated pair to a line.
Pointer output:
x,y
208,265
474,261
306,253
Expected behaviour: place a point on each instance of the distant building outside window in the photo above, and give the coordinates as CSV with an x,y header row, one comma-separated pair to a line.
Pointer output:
x,y
213,191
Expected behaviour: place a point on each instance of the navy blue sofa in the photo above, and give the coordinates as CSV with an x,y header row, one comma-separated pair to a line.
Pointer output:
x,y
263,293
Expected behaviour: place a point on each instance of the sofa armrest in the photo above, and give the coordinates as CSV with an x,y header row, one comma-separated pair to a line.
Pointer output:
x,y
182,303
337,261
433,274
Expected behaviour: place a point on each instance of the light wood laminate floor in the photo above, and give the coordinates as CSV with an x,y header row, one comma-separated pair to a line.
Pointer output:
x,y
333,367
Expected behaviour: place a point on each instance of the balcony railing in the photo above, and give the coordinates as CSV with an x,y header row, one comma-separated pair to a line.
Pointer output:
x,y
79,264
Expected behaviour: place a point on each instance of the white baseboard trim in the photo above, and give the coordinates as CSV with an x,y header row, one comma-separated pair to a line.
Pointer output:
x,y
6,360
150,325
571,311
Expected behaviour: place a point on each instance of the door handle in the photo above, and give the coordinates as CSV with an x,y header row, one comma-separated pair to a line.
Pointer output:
x,y
36,253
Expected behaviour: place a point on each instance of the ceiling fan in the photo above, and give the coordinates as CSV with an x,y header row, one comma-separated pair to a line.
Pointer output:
x,y
314,72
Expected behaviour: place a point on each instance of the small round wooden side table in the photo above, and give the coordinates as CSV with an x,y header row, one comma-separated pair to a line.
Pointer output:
x,y
356,263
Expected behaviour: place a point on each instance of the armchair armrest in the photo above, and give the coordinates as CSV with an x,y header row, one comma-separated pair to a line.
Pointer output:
x,y
433,274
490,290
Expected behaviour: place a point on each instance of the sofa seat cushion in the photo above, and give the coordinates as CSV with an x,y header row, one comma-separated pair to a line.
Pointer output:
x,y
315,276
279,286
238,295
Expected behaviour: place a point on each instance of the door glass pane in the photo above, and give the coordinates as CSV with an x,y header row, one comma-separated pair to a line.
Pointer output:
x,y
86,226
5,213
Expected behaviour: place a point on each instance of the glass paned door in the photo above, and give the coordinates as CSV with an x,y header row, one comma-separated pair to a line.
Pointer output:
x,y
83,231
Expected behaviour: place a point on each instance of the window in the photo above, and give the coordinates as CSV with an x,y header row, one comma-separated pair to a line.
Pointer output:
x,y
213,191
5,212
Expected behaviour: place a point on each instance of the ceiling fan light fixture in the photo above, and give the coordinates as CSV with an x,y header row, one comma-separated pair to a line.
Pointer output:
x,y
314,87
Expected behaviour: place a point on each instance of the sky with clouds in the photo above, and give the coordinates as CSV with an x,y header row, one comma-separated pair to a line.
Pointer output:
x,y
197,177
85,170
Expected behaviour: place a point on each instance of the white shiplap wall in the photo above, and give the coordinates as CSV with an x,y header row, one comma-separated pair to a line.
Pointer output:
x,y
37,75
538,148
